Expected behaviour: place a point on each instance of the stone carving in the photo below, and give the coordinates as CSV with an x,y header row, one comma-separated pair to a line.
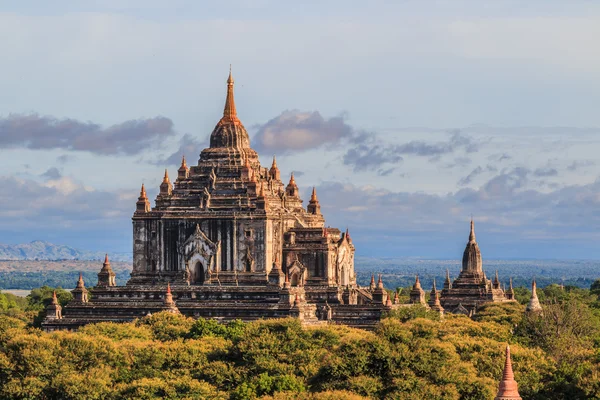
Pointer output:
x,y
202,254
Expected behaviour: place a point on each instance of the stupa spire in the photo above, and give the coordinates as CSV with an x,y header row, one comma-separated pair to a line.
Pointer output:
x,y
472,233
143,204
80,282
534,303
54,299
417,284
315,208
274,171
447,281
229,111
434,299
508,388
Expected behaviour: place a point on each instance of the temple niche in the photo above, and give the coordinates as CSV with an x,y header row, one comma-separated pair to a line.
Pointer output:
x,y
231,240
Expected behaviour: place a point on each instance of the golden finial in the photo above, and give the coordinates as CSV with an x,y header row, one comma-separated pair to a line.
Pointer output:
x,y
313,197
166,178
229,112
183,163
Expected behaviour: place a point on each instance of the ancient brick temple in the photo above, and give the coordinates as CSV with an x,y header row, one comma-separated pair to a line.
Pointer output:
x,y
472,288
231,240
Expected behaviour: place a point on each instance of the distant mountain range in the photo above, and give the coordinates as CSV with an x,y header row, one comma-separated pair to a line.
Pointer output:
x,y
41,250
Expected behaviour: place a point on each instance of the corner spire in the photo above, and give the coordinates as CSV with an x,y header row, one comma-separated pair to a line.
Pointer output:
x,y
166,177
508,388
313,197
229,111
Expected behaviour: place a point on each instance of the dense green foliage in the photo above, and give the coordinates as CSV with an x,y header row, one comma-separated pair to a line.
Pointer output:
x,y
413,354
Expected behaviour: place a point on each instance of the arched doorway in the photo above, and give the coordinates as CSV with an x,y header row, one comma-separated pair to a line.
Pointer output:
x,y
198,273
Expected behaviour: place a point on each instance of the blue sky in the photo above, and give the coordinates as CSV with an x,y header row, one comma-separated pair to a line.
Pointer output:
x,y
407,116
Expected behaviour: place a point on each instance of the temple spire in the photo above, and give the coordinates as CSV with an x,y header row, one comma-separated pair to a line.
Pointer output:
x,y
472,234
447,281
508,388
143,204
315,208
274,171
434,299
229,112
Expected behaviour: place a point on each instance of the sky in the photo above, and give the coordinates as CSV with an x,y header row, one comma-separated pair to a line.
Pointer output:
x,y
409,117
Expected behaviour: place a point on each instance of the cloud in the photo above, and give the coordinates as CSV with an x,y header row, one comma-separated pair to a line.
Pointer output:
x,y
46,132
576,165
299,131
189,146
65,158
469,178
370,156
369,152
512,215
456,141
66,210
52,174
545,172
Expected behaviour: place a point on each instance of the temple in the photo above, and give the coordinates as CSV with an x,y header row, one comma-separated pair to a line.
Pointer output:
x,y
472,289
228,239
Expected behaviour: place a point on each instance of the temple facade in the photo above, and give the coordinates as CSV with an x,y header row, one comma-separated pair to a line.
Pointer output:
x,y
229,239
472,288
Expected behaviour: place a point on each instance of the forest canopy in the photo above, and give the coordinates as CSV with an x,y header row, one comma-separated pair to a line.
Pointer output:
x,y
413,353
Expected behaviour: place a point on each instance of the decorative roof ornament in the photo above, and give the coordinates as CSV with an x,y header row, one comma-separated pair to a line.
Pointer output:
x,y
274,171
80,293
143,204
314,207
229,111
183,171
106,276
508,388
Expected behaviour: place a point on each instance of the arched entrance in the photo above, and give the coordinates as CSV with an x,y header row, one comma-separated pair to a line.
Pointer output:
x,y
198,273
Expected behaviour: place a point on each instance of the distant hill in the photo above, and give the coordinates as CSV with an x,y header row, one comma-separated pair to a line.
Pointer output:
x,y
42,250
